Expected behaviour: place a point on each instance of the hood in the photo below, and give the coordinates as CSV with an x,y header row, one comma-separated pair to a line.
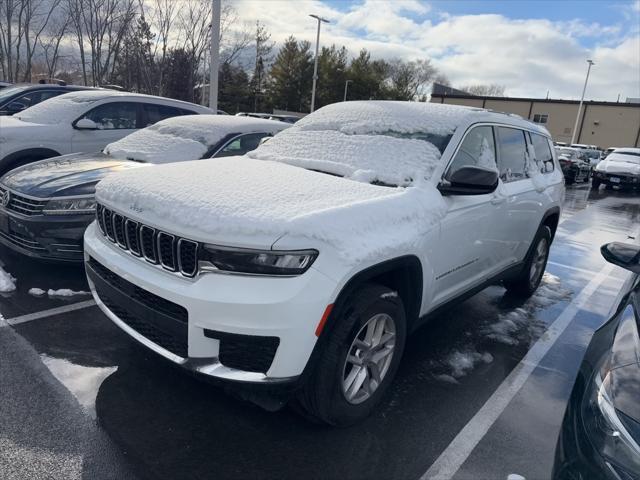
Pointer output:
x,y
75,174
239,201
610,166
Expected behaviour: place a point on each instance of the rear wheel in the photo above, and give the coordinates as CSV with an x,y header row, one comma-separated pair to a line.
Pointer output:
x,y
530,277
360,358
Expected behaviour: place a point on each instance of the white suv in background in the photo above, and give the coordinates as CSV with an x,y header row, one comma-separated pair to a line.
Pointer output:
x,y
303,266
84,121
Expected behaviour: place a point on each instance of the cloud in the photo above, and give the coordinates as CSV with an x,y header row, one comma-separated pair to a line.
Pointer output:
x,y
529,56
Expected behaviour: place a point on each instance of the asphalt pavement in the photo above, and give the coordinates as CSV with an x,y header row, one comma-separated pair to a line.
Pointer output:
x,y
480,393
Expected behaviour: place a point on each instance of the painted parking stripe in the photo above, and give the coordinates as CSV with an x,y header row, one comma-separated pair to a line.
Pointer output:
x,y
47,313
456,453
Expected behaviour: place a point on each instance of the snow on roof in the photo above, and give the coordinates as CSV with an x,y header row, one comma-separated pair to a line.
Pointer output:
x,y
185,138
238,197
387,142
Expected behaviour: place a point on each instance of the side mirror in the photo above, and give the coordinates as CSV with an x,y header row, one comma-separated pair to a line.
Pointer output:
x,y
624,255
15,107
470,180
86,124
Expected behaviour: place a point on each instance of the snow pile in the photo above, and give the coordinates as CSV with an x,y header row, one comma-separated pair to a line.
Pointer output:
x,y
461,362
62,292
7,282
519,325
387,142
253,198
185,138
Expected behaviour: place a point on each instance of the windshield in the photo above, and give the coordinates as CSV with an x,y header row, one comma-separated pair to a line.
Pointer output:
x,y
8,92
388,143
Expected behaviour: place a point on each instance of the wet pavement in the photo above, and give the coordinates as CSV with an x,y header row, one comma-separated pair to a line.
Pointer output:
x,y
78,399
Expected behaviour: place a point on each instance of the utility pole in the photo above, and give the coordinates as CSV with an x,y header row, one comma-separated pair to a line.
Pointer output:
x,y
215,55
346,86
315,63
584,89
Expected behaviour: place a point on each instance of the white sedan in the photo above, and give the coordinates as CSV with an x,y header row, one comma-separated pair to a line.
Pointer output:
x,y
83,121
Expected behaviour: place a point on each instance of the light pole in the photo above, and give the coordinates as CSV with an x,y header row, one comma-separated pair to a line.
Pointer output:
x,y
346,86
215,55
315,63
584,89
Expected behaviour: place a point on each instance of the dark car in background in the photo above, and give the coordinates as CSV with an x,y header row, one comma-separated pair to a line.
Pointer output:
x,y
46,206
575,164
600,436
16,98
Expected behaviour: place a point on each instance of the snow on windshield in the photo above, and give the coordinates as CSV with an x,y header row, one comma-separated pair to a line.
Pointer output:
x,y
185,138
397,143
626,157
65,107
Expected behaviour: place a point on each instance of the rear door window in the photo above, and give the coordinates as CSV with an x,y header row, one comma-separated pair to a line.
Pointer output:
x,y
115,116
512,160
154,113
542,152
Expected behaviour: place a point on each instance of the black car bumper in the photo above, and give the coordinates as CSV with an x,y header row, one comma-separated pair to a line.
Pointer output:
x,y
620,180
47,237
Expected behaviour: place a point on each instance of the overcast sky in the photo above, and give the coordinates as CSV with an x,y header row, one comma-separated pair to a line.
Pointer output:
x,y
528,46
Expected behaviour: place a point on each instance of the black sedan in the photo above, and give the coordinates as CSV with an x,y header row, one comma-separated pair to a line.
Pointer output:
x,y
15,98
575,165
46,206
600,436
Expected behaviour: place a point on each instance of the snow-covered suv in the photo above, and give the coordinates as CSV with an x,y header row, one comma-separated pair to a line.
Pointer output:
x,y
303,266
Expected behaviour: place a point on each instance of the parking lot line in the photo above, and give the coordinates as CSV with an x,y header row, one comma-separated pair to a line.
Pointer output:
x,y
47,313
570,267
456,453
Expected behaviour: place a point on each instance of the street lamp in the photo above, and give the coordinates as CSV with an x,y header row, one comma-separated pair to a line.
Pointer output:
x,y
346,85
575,127
315,63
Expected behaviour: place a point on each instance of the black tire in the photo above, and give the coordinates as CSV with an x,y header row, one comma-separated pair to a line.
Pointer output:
x,y
570,180
526,282
322,398
595,183
587,177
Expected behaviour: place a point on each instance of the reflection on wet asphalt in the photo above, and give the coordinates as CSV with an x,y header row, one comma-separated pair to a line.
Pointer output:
x,y
164,424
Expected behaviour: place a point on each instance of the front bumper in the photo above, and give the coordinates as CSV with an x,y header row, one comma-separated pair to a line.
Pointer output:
x,y
48,237
214,324
619,179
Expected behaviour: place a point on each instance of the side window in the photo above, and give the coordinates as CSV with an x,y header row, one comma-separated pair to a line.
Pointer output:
x,y
154,113
115,116
513,154
542,153
28,100
477,149
241,145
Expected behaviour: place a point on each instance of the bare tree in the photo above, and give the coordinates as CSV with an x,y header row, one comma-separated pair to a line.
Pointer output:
x,y
491,90
163,17
50,42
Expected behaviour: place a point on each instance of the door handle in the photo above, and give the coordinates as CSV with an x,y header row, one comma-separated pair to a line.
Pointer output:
x,y
498,200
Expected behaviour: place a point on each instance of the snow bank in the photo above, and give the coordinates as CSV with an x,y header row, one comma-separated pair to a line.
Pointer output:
x,y
185,138
247,197
388,142
7,282
36,292
62,292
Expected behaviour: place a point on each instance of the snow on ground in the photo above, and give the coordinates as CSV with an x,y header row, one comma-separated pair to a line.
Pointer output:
x,y
7,282
186,138
62,292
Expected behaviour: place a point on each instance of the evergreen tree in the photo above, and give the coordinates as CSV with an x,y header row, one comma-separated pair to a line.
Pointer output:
x,y
290,76
332,75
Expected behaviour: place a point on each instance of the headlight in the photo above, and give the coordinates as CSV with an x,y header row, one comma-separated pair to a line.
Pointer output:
x,y
70,206
607,430
255,262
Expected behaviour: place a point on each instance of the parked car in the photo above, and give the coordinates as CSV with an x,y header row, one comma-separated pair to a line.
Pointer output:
x,y
46,206
81,122
575,165
592,152
16,98
600,433
5,85
300,268
621,168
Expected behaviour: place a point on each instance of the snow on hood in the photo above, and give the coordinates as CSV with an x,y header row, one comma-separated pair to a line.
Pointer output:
x,y
397,143
236,197
620,163
185,138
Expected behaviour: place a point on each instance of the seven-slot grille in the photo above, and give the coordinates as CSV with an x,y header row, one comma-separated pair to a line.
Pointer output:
x,y
173,253
24,205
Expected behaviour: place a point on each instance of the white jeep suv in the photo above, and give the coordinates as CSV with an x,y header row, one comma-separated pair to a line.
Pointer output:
x,y
300,268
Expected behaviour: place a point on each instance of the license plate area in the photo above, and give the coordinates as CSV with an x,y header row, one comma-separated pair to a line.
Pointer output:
x,y
614,179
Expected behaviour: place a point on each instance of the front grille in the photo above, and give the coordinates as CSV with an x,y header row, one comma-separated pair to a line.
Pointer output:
x,y
22,241
249,353
23,205
173,253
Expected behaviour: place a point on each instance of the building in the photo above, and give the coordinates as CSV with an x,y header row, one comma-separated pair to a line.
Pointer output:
x,y
605,124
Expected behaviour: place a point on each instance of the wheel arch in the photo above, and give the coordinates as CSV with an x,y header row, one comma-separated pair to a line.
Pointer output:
x,y
551,219
13,159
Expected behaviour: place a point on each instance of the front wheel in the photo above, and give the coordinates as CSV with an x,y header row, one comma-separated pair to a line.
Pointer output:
x,y
530,277
360,358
